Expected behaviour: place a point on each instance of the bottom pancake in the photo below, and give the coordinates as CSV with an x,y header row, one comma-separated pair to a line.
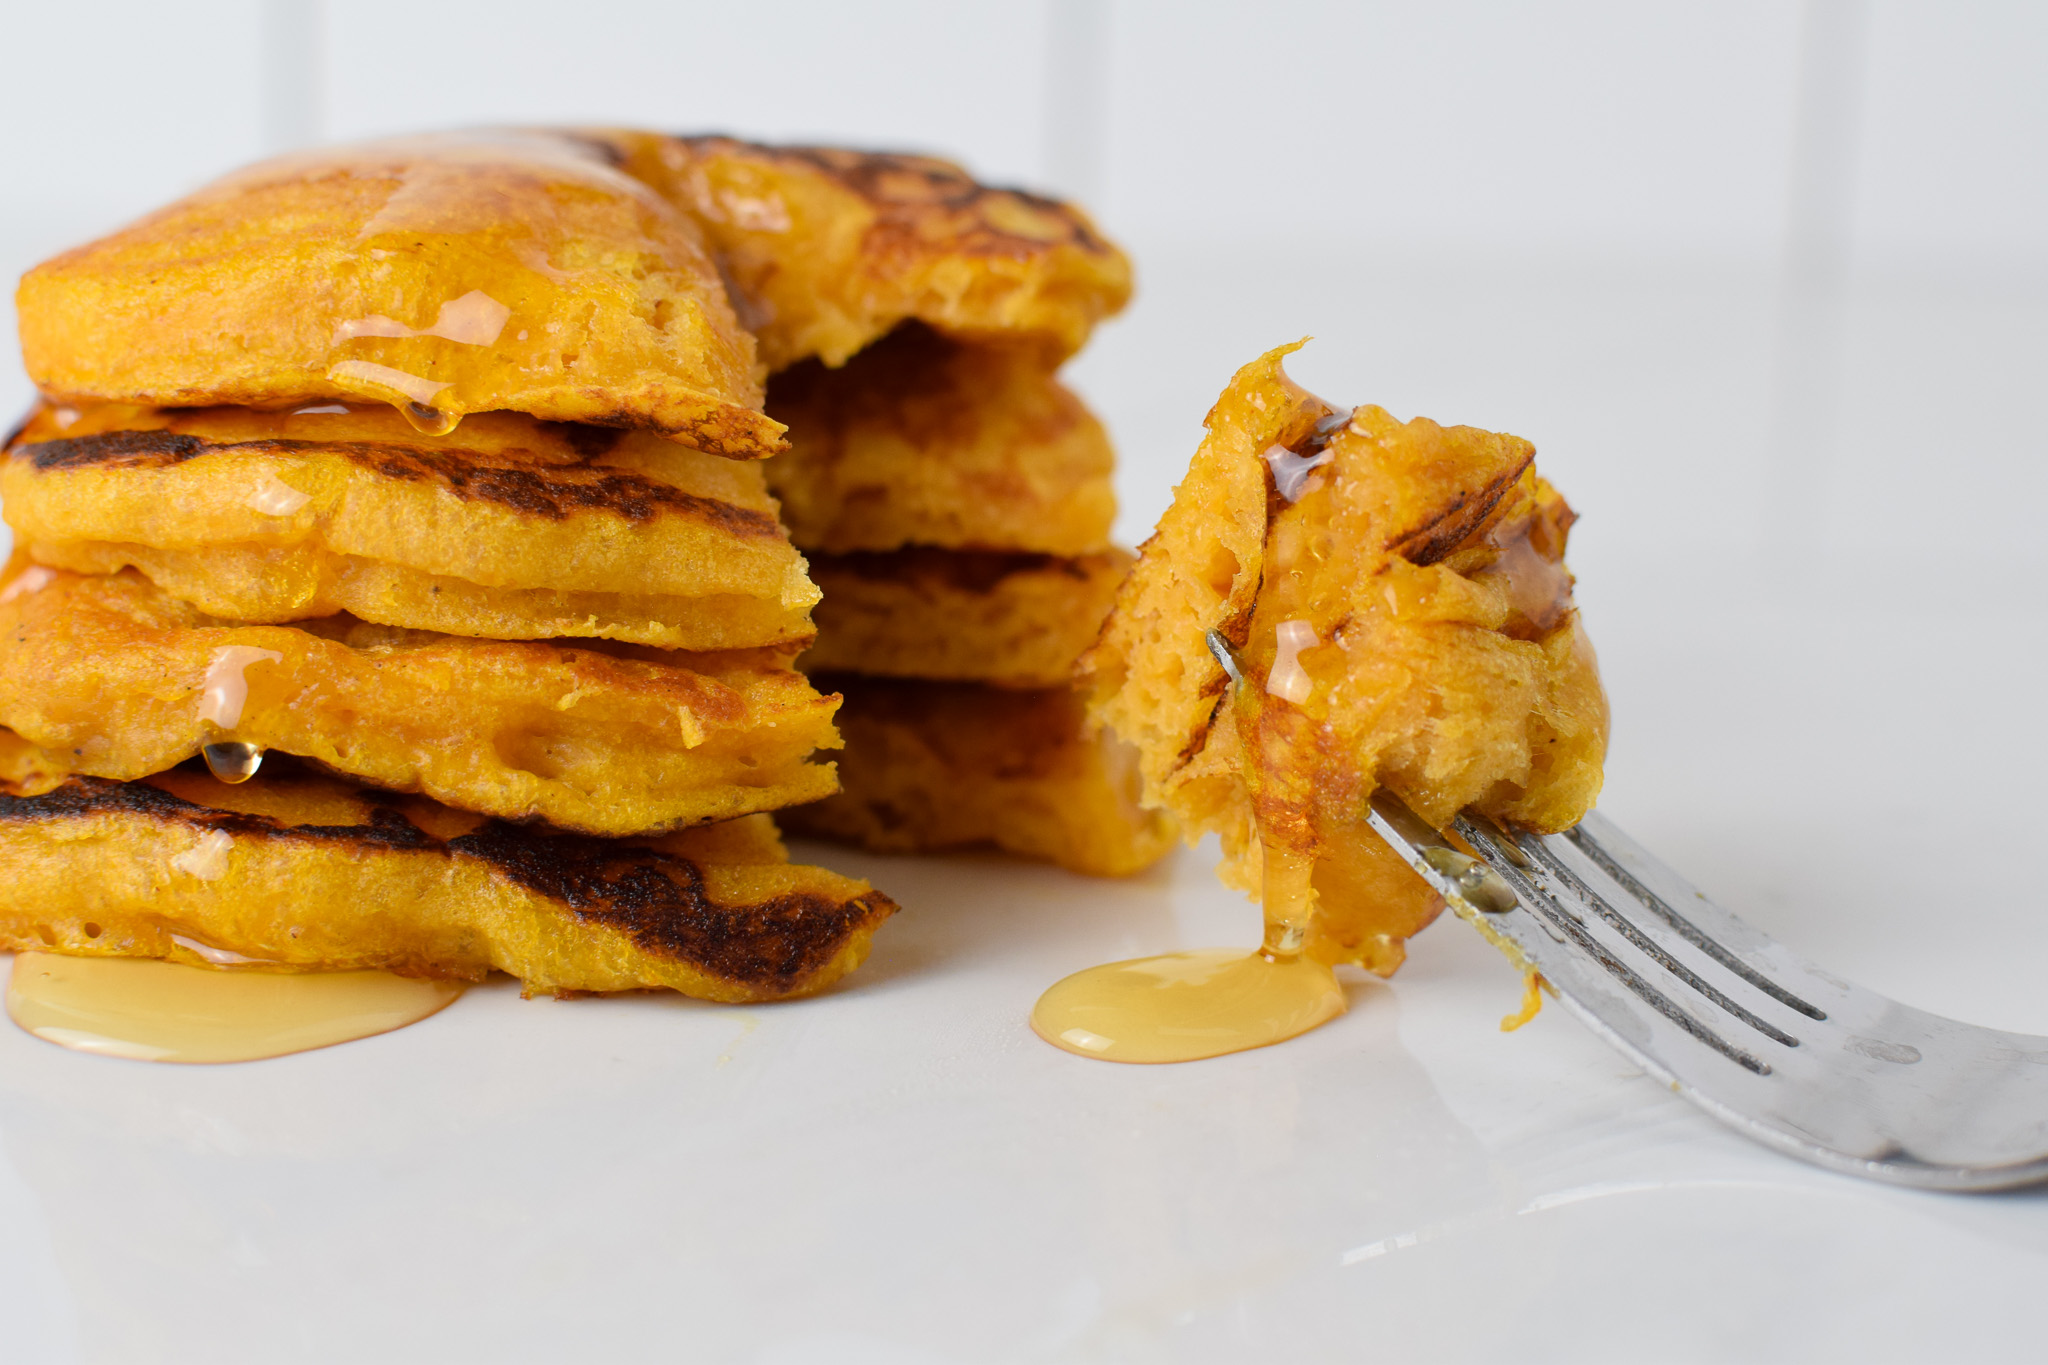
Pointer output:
x,y
933,765
293,871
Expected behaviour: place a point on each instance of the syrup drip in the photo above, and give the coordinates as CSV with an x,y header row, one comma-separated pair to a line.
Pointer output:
x,y
1182,1007
431,421
167,1012
1291,471
413,396
233,761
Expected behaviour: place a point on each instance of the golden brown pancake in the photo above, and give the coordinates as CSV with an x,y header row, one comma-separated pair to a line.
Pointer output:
x,y
922,440
444,274
112,677
297,871
931,766
510,528
829,249
1017,620
1398,603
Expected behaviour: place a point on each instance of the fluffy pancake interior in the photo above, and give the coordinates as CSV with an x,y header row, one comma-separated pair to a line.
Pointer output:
x,y
1397,599
933,765
1019,620
923,440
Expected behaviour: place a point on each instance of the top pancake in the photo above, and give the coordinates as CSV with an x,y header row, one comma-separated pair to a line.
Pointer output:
x,y
443,274
829,249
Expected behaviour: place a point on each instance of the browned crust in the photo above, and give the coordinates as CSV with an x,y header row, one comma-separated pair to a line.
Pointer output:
x,y
1451,524
551,492
658,899
907,190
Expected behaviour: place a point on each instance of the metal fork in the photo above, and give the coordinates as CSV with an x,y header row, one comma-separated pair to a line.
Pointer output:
x,y
1742,1026
1750,1031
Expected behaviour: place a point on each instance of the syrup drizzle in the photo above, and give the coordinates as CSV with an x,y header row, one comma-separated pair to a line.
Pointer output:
x,y
232,761
1182,1007
156,1011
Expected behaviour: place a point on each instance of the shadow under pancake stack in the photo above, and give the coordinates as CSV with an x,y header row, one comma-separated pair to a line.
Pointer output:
x,y
399,582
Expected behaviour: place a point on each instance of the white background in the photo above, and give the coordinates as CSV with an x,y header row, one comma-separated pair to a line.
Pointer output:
x,y
1767,284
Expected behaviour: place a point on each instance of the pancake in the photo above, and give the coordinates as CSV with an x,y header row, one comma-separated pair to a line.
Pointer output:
x,y
510,528
444,274
921,440
112,677
1017,620
829,249
300,871
932,766
1396,597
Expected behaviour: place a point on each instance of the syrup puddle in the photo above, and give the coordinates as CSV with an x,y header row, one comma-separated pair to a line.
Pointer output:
x,y
156,1011
1183,1007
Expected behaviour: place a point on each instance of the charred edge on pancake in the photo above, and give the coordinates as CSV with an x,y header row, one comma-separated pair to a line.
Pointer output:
x,y
1449,527
660,902
1198,738
886,180
1236,629
87,796
115,449
656,898
551,493
970,571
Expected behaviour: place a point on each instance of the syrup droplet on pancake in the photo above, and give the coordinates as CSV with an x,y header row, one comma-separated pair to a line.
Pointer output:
x,y
233,761
431,421
168,1012
1182,1007
1291,471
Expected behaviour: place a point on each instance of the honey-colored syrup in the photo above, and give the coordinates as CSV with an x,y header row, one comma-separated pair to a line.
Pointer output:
x,y
232,761
167,1012
1182,1007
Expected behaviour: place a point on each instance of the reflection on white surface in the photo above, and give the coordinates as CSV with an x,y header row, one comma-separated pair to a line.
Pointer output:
x,y
900,1171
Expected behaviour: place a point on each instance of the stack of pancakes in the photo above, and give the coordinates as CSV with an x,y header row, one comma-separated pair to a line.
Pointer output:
x,y
411,489
953,498
418,478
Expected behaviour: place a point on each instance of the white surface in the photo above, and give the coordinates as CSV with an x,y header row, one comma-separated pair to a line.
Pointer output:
x,y
900,1171
1803,435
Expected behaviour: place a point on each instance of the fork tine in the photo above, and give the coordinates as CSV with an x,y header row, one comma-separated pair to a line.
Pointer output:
x,y
1845,1078
1607,911
1587,843
1549,905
